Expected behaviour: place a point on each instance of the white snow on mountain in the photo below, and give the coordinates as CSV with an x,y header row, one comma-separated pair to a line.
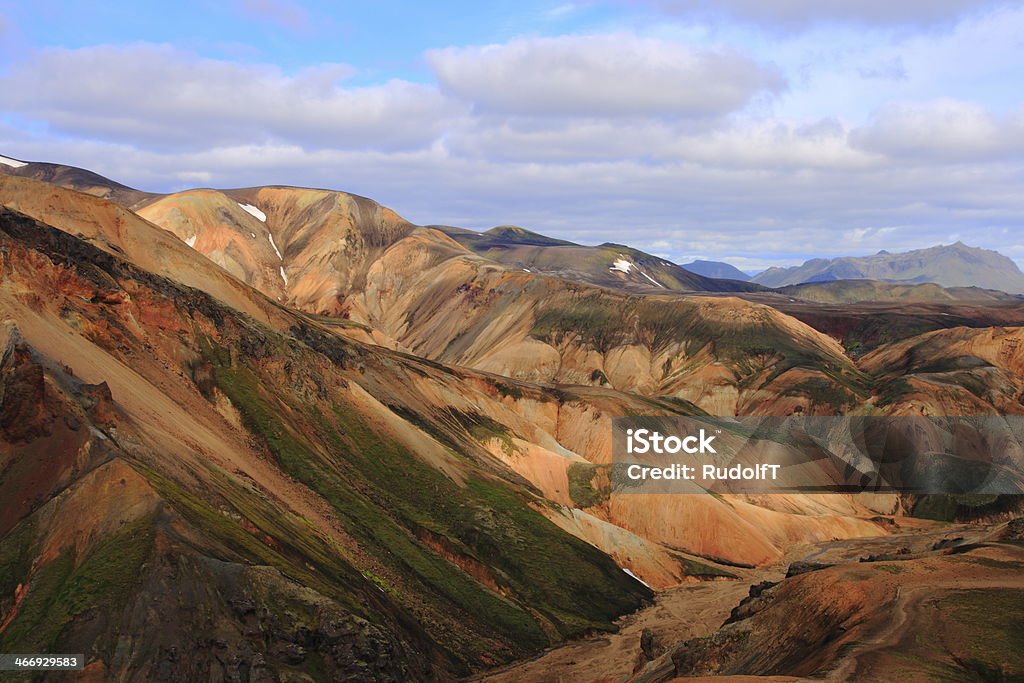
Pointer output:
x,y
276,250
636,577
249,208
651,279
14,163
621,265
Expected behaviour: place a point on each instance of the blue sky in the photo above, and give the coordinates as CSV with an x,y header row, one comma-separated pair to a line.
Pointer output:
x,y
762,132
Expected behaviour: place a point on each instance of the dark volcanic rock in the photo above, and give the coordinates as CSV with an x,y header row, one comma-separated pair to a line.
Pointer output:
x,y
23,414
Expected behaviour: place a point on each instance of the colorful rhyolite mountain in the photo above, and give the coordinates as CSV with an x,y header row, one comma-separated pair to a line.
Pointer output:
x,y
278,432
608,265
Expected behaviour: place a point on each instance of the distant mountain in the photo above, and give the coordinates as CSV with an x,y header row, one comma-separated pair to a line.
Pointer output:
x,y
75,178
954,265
607,265
716,269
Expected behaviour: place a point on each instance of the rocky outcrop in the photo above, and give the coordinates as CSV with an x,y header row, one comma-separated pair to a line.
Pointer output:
x,y
23,414
387,543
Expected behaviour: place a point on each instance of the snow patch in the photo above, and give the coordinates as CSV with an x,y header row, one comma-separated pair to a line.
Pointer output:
x,y
637,577
191,241
650,278
253,235
621,265
13,163
276,250
249,208
526,270
283,276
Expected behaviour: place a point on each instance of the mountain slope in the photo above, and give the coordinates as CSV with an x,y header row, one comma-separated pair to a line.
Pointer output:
x,y
327,505
958,371
305,247
914,613
955,265
607,265
309,489
119,232
79,179
716,269
410,292
204,453
419,290
862,291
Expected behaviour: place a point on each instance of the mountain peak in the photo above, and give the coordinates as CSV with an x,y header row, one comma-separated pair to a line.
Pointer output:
x,y
518,235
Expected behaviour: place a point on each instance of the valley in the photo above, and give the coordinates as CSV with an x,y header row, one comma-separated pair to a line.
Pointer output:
x,y
913,567
322,441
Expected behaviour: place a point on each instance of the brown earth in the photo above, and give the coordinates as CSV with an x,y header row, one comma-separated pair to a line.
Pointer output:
x,y
914,614
410,441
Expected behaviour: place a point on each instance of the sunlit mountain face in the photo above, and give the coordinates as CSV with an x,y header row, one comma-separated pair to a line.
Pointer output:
x,y
543,341
330,440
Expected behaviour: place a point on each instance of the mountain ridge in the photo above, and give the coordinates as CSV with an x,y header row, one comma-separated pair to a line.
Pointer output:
x,y
954,265
609,264
519,247
716,269
372,451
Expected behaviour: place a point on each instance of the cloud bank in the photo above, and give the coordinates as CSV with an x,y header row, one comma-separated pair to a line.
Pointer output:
x,y
602,76
686,147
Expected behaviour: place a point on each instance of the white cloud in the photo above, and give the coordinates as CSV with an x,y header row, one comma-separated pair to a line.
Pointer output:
x,y
592,138
602,76
732,144
950,130
161,97
777,145
761,215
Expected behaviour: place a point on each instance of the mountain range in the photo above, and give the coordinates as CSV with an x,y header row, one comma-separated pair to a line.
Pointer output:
x,y
280,433
954,265
717,269
609,265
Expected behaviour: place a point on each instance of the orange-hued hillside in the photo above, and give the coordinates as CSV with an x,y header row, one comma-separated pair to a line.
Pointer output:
x,y
289,425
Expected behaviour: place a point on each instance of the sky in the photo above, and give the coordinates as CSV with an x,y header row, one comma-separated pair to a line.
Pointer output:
x,y
759,132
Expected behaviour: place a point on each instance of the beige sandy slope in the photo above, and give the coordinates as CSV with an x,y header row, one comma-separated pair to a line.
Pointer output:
x,y
959,371
112,228
546,436
421,291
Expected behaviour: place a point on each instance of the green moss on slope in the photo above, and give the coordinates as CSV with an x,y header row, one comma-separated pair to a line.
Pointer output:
x,y
547,569
390,500
365,519
993,637
604,322
702,570
15,560
64,589
581,485
592,320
